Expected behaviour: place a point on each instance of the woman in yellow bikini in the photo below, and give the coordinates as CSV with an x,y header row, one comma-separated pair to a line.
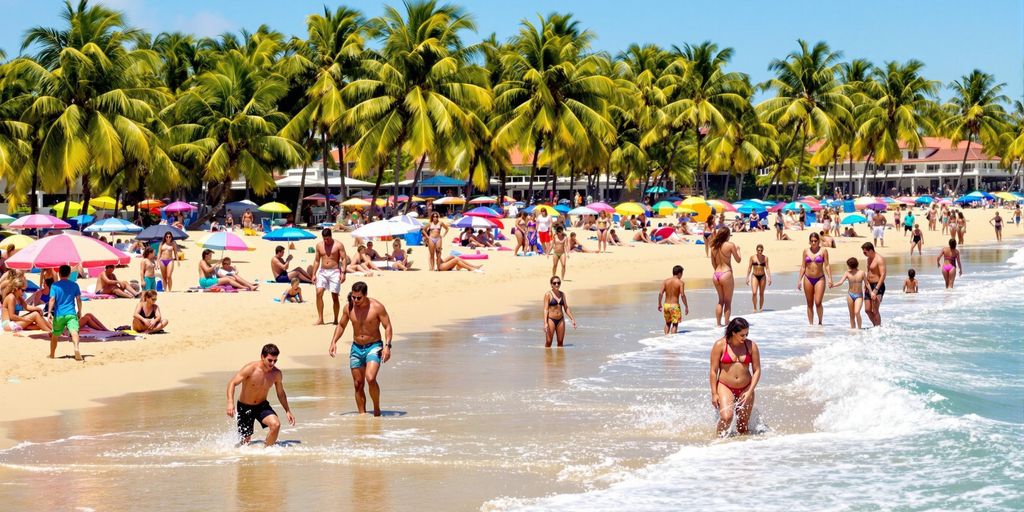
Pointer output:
x,y
603,224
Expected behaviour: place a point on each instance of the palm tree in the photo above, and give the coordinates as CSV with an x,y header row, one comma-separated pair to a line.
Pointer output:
x,y
741,146
234,110
975,113
333,54
893,110
552,92
809,98
416,94
92,99
179,56
704,97
15,135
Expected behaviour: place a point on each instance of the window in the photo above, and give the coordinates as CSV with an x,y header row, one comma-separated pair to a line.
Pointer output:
x,y
912,155
933,168
909,169
969,167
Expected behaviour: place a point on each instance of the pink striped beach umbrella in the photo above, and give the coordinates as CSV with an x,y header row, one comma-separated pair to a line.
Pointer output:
x,y
39,221
224,241
57,250
601,207
179,207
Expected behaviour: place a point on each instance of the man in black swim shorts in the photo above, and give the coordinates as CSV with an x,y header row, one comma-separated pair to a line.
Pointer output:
x,y
256,379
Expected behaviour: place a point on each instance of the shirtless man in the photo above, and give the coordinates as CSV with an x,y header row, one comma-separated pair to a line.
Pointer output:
x,y
876,283
672,290
256,379
368,350
878,228
327,267
108,284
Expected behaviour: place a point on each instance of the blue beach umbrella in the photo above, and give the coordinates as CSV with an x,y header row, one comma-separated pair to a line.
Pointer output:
x,y
796,206
562,208
924,200
854,218
656,190
747,208
289,234
156,233
83,219
968,199
113,225
430,192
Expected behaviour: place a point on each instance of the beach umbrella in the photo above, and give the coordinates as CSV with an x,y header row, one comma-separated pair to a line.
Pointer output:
x,y
673,198
749,208
551,210
289,234
402,198
968,199
73,208
103,202
473,222
629,208
562,208
483,200
355,202
382,228
113,225
683,210
178,207
38,221
6,219
868,202
1006,196
319,198
57,250
430,192
483,211
151,203
224,241
698,205
982,194
924,200
156,233
83,219
854,218
721,206
601,207
905,199
663,207
451,200
582,210
19,241
665,232
797,206
274,207
409,218
656,190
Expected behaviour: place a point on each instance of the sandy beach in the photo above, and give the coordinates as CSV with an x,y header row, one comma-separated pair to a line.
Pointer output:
x,y
216,332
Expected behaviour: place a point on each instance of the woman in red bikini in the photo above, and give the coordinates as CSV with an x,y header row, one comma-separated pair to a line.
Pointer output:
x,y
815,274
735,371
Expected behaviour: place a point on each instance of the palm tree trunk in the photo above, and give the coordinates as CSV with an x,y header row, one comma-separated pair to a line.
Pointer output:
x,y
533,173
416,179
963,167
782,160
34,199
323,167
864,175
376,188
302,189
117,200
501,187
67,199
739,189
397,171
86,196
725,189
700,169
800,166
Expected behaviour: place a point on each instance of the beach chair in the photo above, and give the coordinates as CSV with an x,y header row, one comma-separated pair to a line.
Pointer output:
x,y
265,222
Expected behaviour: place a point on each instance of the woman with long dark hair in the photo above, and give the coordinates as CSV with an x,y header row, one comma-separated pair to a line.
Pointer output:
x,y
735,372
723,252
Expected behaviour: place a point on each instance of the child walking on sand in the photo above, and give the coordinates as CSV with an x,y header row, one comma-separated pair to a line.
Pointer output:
x,y
294,293
855,294
910,283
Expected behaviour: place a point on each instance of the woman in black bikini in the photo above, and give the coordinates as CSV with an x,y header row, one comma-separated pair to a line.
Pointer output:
x,y
757,268
814,268
556,309
147,316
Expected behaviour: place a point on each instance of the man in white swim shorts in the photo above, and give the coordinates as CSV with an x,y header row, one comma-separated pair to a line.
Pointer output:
x,y
327,268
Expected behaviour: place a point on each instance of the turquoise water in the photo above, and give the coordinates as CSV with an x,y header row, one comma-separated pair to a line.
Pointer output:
x,y
925,413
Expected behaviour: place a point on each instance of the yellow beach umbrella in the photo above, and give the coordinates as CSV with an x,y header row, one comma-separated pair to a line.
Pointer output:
x,y
355,202
450,200
1006,196
698,205
551,211
417,199
274,207
73,208
103,202
19,241
685,211
629,209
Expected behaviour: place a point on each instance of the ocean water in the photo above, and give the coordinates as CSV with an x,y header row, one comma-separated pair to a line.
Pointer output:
x,y
925,413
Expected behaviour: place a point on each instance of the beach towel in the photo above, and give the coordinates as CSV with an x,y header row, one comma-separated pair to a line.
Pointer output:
x,y
84,335
96,296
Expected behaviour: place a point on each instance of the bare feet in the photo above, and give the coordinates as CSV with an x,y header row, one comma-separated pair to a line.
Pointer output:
x,y
79,358
376,412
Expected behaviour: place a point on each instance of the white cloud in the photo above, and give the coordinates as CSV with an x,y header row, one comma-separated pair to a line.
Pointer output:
x,y
204,24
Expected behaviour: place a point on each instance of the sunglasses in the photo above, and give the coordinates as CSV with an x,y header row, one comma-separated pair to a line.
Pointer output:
x,y
358,297
271,361
556,283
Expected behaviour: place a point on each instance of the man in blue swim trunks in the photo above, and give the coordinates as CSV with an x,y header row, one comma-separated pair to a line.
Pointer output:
x,y
368,351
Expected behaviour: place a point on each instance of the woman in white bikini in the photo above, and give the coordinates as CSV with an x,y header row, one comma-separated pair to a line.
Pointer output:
x,y
723,252
435,231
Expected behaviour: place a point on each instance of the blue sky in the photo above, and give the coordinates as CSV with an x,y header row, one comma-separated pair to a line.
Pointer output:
x,y
951,37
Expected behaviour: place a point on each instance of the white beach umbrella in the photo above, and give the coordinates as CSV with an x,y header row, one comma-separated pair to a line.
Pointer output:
x,y
383,228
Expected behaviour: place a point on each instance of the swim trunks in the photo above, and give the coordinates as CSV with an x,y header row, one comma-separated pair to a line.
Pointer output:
x,y
878,288
878,232
206,282
329,279
359,355
61,322
672,313
247,414
282,278
149,283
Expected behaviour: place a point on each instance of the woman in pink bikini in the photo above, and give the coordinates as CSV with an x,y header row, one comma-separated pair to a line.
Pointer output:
x,y
814,269
953,265
722,253
735,371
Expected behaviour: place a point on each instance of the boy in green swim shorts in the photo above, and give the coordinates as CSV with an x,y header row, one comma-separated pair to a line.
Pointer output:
x,y
65,303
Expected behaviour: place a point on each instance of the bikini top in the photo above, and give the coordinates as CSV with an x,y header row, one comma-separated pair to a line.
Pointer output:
x,y
817,259
150,316
727,359
757,263
555,301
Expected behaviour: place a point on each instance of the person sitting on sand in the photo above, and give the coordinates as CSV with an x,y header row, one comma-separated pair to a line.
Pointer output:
x,y
13,291
480,239
279,268
850,232
456,263
372,253
675,238
256,379
293,293
147,318
642,236
108,284
613,238
575,245
399,258
356,264
226,269
826,240
207,277
465,237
